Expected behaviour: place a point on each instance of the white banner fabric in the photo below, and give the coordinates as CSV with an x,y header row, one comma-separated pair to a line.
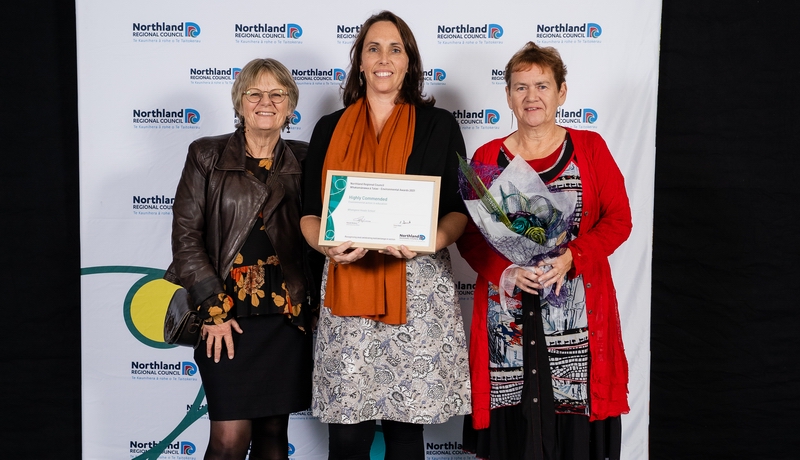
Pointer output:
x,y
155,75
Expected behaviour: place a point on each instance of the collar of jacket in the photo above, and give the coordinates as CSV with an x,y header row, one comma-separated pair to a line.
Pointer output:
x,y
233,156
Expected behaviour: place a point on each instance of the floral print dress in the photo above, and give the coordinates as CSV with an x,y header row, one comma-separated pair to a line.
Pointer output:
x,y
417,372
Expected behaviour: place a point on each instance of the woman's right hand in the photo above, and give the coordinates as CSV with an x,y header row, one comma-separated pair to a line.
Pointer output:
x,y
345,253
216,334
527,279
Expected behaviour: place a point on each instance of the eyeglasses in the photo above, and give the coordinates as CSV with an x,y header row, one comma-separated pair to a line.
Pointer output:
x,y
254,95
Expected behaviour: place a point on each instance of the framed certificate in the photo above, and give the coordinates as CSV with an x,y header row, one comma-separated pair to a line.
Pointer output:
x,y
375,210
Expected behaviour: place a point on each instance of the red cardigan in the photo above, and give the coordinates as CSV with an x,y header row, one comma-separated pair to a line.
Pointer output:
x,y
605,225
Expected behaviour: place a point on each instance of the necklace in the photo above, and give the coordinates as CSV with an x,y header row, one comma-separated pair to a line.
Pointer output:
x,y
247,152
265,162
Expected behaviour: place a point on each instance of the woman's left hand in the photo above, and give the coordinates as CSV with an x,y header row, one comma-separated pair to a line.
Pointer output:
x,y
561,265
217,334
401,253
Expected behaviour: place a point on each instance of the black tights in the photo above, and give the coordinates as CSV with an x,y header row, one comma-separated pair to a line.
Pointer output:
x,y
230,439
404,441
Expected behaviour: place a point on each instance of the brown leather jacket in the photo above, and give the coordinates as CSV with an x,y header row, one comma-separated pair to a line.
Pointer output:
x,y
216,205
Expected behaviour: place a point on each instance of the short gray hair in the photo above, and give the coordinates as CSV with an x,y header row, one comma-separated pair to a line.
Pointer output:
x,y
250,74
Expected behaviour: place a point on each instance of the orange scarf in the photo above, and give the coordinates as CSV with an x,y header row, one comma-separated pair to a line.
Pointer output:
x,y
374,287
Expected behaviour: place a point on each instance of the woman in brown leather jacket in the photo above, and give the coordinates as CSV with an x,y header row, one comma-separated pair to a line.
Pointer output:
x,y
238,249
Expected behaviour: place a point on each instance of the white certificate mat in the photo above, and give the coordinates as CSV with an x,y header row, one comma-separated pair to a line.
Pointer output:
x,y
376,210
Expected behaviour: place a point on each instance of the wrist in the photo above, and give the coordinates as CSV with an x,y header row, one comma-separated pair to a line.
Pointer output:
x,y
215,309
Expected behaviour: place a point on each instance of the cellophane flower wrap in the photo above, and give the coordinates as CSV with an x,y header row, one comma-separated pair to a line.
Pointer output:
x,y
517,214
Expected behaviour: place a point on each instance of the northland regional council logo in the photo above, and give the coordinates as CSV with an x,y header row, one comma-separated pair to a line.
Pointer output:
x,y
181,448
444,448
345,34
186,118
213,75
583,118
160,370
154,205
469,34
480,119
315,76
264,33
498,77
166,32
295,118
434,77
588,32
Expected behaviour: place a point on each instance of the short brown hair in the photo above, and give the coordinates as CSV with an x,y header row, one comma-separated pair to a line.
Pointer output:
x,y
413,82
532,54
251,72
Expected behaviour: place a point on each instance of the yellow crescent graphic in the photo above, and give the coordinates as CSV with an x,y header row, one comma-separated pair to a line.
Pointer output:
x,y
149,307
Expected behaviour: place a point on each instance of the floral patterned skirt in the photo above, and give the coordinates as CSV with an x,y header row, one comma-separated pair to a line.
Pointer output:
x,y
417,372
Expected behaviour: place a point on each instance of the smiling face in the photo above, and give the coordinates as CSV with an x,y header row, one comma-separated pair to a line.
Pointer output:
x,y
383,60
265,115
534,97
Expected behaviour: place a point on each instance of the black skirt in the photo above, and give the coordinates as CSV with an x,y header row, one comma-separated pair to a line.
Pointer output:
x,y
270,373
532,430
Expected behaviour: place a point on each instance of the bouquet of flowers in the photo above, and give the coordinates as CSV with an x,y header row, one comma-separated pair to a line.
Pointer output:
x,y
518,215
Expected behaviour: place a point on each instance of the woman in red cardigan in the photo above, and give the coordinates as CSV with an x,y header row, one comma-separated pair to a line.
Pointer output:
x,y
549,375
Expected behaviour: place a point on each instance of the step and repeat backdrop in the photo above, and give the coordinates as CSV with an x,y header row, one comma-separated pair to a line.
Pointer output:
x,y
155,75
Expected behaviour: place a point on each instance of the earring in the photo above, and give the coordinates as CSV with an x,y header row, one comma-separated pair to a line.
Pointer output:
x,y
361,78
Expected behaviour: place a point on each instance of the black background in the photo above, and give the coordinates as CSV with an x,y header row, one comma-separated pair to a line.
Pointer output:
x,y
725,318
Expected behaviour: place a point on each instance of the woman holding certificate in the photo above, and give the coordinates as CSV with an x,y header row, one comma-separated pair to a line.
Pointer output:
x,y
549,373
390,344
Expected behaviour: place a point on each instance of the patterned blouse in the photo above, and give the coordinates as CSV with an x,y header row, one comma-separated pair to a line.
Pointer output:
x,y
255,285
565,326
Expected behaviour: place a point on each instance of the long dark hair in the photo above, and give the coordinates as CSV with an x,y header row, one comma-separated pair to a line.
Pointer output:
x,y
413,82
